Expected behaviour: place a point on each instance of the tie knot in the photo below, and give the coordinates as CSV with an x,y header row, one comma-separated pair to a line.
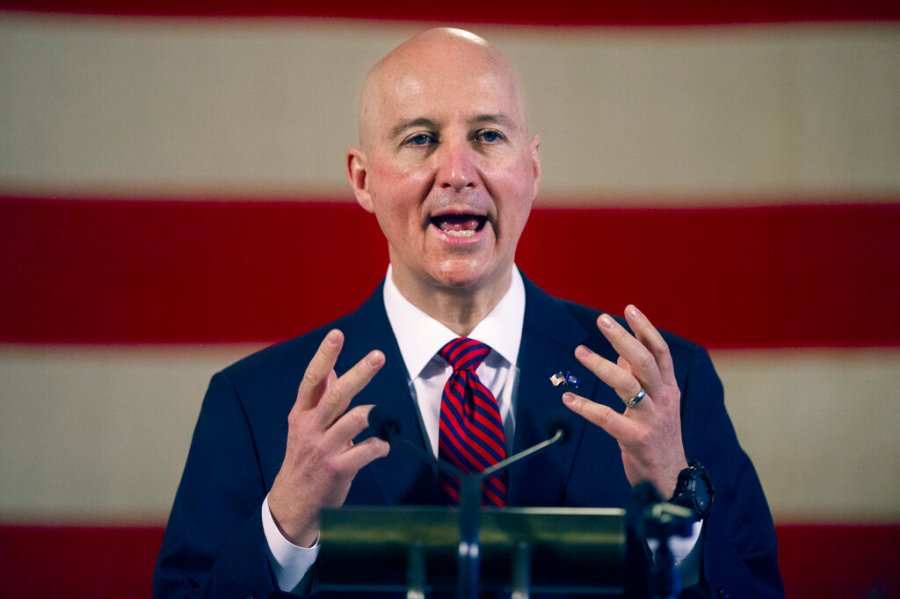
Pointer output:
x,y
464,354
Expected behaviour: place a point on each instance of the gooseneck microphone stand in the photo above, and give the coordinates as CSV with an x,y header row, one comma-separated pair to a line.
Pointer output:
x,y
470,514
468,558
661,521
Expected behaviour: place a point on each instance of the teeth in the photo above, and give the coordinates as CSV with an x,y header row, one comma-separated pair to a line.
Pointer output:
x,y
464,233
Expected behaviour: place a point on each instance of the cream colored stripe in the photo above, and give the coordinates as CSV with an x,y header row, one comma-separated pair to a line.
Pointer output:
x,y
822,429
257,108
101,434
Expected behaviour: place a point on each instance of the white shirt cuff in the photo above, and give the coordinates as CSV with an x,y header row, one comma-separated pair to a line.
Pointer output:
x,y
680,547
289,562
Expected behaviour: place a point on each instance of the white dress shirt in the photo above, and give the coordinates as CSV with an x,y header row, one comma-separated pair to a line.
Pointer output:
x,y
420,337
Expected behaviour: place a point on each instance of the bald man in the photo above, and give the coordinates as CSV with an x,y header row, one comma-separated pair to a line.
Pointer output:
x,y
449,169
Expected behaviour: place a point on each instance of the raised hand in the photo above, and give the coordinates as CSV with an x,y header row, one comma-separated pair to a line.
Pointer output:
x,y
321,459
649,432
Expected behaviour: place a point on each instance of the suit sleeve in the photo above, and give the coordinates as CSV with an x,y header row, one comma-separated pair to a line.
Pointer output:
x,y
214,544
739,556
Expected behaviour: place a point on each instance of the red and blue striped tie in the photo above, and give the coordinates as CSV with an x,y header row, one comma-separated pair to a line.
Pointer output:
x,y
471,436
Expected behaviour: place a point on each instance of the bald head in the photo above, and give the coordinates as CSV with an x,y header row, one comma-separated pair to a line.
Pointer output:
x,y
447,166
436,57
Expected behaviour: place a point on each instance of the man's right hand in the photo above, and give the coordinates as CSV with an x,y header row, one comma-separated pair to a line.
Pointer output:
x,y
321,459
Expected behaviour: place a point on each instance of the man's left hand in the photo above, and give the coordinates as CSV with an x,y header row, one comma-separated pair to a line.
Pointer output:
x,y
649,432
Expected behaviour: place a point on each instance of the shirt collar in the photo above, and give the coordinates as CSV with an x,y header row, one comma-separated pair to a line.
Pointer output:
x,y
420,336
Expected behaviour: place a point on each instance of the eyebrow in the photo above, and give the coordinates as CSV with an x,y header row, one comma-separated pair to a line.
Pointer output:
x,y
499,118
411,123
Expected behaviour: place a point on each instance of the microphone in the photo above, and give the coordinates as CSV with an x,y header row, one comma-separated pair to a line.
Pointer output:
x,y
386,425
559,421
557,427
383,423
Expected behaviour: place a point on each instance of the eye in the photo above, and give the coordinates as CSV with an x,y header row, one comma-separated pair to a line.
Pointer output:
x,y
490,136
420,139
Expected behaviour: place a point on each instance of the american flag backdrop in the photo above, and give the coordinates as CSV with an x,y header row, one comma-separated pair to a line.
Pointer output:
x,y
172,197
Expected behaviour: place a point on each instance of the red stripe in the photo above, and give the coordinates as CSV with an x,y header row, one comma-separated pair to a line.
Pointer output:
x,y
563,12
454,394
839,560
492,497
487,446
161,272
816,560
450,491
104,562
465,353
472,462
103,271
465,444
488,425
455,389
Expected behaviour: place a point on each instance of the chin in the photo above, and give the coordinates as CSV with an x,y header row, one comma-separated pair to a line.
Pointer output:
x,y
466,274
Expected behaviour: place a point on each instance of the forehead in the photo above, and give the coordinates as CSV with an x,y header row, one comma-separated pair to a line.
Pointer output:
x,y
442,86
458,92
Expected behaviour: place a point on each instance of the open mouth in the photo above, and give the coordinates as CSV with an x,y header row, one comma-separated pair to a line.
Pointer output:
x,y
459,225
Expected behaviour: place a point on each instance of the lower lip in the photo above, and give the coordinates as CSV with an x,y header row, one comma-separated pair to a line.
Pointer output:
x,y
475,237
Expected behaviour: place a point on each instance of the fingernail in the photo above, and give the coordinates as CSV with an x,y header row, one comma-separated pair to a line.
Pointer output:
x,y
332,336
606,322
568,398
582,352
634,312
375,359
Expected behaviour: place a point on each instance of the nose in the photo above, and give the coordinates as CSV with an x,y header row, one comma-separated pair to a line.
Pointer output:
x,y
456,166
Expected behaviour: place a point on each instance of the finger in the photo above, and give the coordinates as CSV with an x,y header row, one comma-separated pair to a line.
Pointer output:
x,y
337,396
617,425
341,434
319,370
651,338
616,376
643,363
362,454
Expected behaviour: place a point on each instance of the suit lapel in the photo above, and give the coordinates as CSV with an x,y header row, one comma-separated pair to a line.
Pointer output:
x,y
550,335
402,477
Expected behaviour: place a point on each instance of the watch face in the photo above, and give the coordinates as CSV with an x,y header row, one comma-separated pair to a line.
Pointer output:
x,y
701,501
695,490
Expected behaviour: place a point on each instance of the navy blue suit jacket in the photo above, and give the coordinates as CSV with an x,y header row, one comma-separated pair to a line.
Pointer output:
x,y
214,544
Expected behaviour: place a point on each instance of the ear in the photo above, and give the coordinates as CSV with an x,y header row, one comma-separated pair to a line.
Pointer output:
x,y
536,162
357,175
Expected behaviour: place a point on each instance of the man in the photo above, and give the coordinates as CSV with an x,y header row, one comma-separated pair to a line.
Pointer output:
x,y
447,166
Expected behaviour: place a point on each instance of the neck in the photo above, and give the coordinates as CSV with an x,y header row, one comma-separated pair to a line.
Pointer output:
x,y
460,309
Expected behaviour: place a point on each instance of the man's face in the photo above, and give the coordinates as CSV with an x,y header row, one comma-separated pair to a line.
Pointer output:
x,y
447,167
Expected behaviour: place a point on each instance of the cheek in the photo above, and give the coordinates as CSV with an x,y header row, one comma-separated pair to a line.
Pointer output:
x,y
520,191
398,184
397,214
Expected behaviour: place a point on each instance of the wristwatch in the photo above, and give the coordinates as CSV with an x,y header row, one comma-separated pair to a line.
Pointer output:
x,y
694,490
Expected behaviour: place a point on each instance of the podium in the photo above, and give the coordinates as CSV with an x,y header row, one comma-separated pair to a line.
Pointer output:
x,y
519,551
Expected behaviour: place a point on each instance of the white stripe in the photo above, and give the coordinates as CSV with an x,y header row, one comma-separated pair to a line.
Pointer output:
x,y
258,108
821,427
101,434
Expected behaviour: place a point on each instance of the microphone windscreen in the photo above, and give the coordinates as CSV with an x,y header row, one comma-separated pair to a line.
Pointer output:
x,y
383,423
559,420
